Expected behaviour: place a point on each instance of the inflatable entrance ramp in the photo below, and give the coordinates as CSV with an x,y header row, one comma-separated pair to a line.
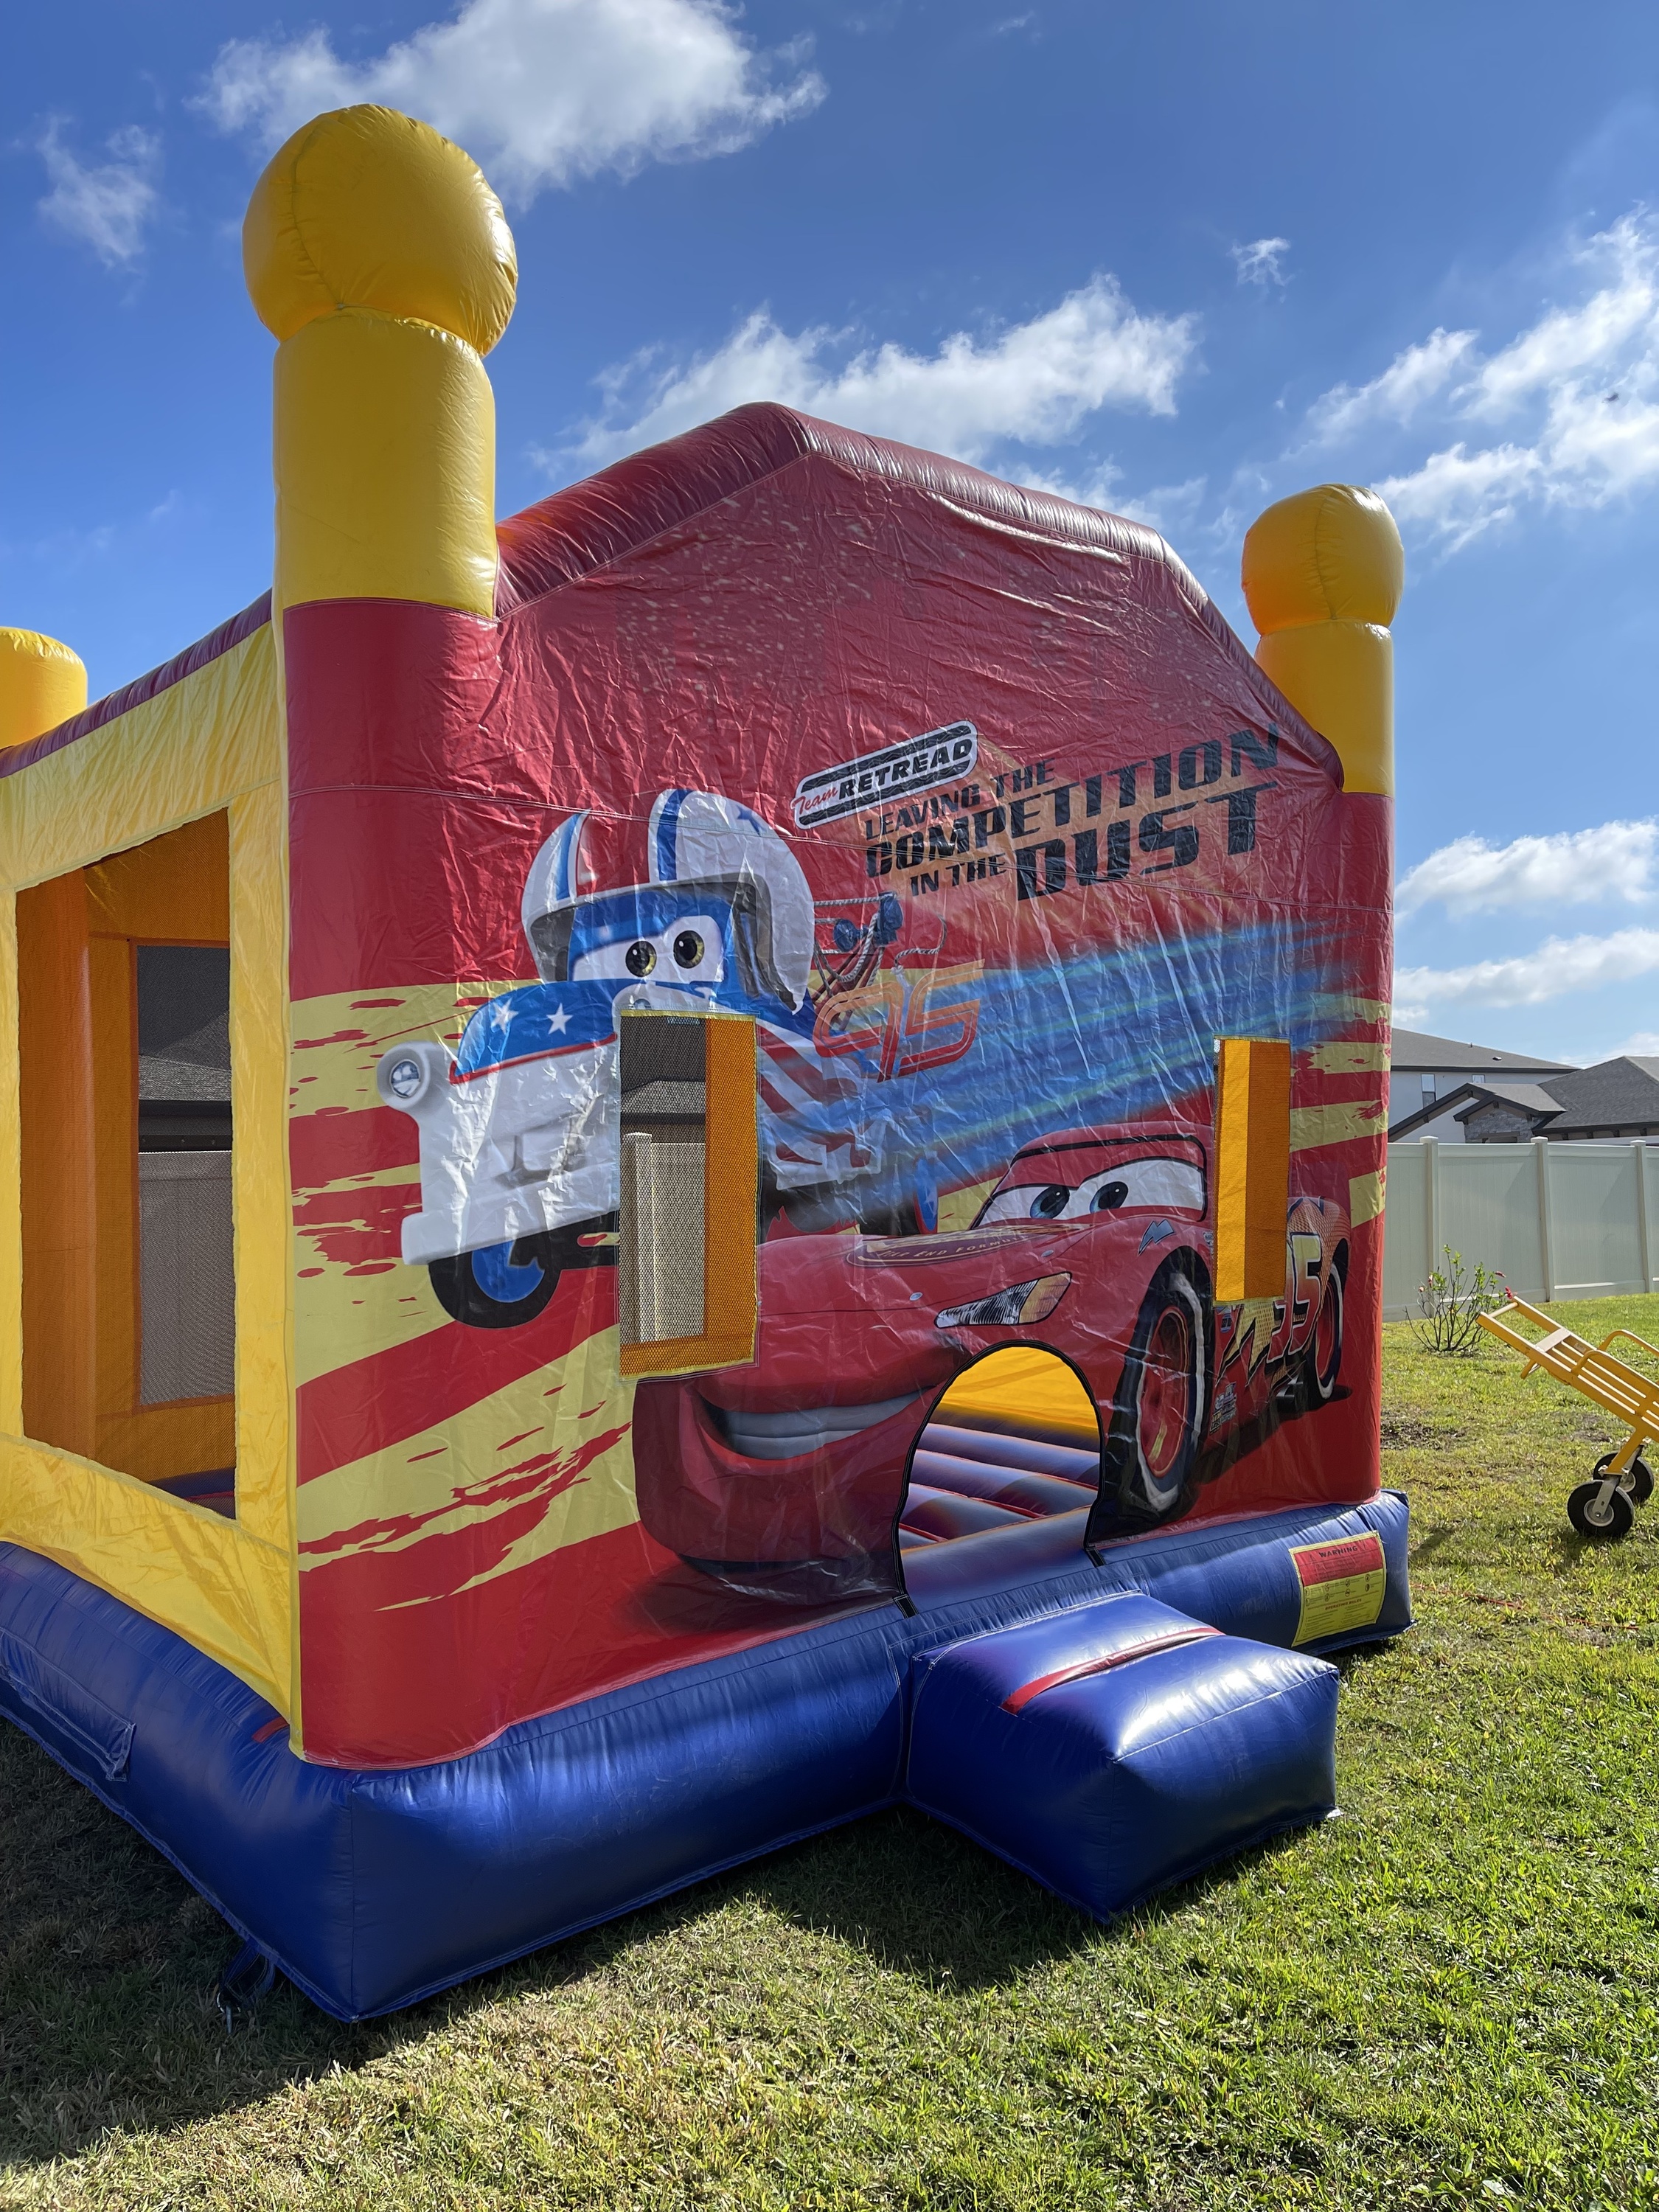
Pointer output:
x,y
1119,1747
647,1149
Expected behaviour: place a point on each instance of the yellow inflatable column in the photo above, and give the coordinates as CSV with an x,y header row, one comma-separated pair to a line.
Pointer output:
x,y
379,256
1322,575
42,683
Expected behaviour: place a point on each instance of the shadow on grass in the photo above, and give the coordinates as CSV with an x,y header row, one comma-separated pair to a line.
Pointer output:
x,y
923,1900
1430,1544
919,1899
1567,1548
108,1958
107,1963
1363,1654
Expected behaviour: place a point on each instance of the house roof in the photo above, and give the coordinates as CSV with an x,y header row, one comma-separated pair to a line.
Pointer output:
x,y
1614,1091
687,480
1414,1049
1619,1094
1530,1098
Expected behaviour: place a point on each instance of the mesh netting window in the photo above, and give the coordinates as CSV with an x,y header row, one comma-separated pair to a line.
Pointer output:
x,y
184,1047
662,1240
186,1287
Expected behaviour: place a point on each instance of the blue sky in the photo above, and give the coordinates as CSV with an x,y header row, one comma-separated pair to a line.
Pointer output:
x,y
1176,260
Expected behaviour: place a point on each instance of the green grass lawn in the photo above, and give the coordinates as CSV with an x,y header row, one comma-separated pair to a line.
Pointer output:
x,y
1450,1995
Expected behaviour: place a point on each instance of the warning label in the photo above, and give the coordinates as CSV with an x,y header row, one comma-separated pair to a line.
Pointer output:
x,y
1343,1584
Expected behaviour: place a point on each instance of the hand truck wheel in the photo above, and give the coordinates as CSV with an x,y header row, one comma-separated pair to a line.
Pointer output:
x,y
1601,1518
1636,1481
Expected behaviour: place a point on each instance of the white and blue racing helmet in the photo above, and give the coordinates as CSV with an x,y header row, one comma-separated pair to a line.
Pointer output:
x,y
697,844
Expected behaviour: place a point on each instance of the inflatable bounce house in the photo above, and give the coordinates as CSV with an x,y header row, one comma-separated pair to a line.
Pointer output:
x,y
687,1166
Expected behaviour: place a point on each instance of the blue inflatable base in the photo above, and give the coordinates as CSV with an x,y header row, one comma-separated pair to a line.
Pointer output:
x,y
371,1889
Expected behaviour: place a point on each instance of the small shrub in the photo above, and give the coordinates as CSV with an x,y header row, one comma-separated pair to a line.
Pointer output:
x,y
1451,1302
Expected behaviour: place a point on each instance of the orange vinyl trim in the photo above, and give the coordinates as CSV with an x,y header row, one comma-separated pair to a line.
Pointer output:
x,y
733,1179
174,890
687,1355
1252,1168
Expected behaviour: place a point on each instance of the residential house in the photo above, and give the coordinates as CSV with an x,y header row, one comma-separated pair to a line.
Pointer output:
x,y
1428,1070
1616,1099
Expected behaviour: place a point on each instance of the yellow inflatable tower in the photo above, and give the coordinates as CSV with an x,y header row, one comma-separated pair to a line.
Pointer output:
x,y
377,255
42,683
1323,575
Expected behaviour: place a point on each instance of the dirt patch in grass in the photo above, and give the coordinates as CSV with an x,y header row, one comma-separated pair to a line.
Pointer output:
x,y
1404,1433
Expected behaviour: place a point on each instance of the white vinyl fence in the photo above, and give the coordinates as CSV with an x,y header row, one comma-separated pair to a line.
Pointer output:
x,y
1560,1221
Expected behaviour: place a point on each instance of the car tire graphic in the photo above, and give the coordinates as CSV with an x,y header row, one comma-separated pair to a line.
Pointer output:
x,y
504,1286
1321,1363
1158,1423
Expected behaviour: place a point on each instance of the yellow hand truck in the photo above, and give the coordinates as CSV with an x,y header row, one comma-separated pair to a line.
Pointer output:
x,y
1605,1506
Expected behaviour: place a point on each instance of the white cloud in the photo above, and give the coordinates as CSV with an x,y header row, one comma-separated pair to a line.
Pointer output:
x,y
1421,373
1258,263
1560,965
1571,867
108,205
1170,509
1032,383
1096,487
1644,1045
543,92
132,538
1580,386
1456,494
1567,342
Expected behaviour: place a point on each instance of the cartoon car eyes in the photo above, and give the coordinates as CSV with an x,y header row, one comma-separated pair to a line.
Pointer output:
x,y
1165,1184
641,957
688,949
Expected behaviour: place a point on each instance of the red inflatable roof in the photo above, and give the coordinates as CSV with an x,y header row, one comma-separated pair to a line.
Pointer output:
x,y
615,511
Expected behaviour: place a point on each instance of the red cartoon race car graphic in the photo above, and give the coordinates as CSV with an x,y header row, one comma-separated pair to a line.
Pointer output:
x,y
1095,1245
